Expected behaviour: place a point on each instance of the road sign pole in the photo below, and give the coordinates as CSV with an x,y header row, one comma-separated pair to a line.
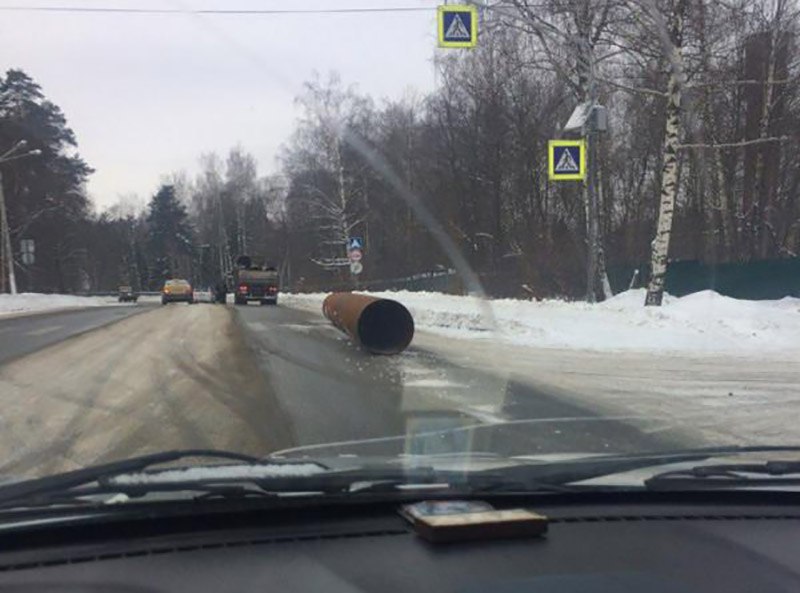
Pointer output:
x,y
592,229
592,223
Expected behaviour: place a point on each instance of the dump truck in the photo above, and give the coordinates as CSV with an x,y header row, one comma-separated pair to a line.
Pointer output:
x,y
251,282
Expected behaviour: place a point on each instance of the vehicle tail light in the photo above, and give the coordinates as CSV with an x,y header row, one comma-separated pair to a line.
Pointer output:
x,y
243,288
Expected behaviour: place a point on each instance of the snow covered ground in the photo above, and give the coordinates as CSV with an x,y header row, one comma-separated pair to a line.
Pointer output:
x,y
29,302
704,322
721,371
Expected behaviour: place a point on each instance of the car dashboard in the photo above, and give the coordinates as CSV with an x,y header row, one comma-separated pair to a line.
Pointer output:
x,y
664,547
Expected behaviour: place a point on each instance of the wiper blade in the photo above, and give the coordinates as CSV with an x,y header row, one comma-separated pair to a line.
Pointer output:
x,y
586,468
73,479
728,475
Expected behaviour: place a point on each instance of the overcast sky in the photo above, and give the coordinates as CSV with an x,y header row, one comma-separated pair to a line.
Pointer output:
x,y
146,94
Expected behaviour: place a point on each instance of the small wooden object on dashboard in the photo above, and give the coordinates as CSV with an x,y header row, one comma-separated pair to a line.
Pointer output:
x,y
458,521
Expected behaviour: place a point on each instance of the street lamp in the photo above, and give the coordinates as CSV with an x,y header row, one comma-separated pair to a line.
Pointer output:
x,y
8,256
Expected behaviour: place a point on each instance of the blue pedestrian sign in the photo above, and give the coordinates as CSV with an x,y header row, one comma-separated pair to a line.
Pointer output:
x,y
566,160
457,26
354,243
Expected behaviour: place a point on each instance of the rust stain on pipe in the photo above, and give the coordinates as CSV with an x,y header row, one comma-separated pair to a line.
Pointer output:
x,y
380,326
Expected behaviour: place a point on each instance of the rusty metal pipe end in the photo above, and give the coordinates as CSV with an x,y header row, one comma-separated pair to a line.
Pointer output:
x,y
380,326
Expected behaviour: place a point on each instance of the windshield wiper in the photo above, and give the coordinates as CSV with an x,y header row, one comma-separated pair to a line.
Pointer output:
x,y
106,489
126,480
81,477
728,475
269,477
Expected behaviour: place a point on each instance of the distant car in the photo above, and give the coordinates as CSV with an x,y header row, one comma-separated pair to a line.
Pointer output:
x,y
126,295
204,295
177,291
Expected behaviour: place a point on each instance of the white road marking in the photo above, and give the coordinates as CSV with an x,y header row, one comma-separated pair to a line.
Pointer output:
x,y
486,414
299,327
44,330
433,383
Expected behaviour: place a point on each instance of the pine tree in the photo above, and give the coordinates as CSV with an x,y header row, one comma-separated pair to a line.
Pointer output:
x,y
170,238
44,194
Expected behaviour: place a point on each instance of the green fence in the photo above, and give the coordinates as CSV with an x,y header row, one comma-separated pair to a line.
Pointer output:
x,y
758,280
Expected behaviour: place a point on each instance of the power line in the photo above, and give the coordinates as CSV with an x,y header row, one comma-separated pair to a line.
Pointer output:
x,y
219,11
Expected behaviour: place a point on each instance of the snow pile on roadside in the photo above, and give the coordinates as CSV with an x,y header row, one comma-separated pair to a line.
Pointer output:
x,y
701,322
31,301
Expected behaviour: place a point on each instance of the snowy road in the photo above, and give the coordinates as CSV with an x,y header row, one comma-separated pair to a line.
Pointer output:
x,y
173,377
25,334
263,379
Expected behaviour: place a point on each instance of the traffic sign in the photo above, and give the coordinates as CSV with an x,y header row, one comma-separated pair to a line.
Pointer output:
x,y
356,267
28,258
27,246
457,26
355,254
355,243
566,160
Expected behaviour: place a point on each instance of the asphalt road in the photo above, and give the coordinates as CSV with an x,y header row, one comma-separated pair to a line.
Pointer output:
x,y
25,334
338,398
84,387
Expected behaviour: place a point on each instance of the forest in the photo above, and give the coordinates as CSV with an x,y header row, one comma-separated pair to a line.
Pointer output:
x,y
699,162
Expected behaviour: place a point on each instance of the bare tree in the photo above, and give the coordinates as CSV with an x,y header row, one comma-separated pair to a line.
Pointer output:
x,y
673,42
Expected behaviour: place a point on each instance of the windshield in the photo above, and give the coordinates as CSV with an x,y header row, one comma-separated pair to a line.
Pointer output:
x,y
501,230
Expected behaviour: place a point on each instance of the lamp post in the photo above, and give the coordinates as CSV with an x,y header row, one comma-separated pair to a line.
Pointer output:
x,y
8,256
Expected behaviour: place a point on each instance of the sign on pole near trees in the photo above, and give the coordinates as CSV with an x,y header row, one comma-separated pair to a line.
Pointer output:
x,y
457,26
566,160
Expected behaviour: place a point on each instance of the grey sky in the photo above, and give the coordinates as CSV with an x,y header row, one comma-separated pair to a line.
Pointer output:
x,y
147,94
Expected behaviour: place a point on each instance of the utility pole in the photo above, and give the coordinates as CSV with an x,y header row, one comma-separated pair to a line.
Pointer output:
x,y
8,256
591,193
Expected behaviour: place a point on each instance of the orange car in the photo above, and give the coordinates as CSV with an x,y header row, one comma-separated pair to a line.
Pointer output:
x,y
176,291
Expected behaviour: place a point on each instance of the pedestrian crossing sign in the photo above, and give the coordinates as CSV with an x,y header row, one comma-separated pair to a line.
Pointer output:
x,y
566,160
457,26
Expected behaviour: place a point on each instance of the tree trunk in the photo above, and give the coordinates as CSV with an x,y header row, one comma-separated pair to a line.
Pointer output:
x,y
669,171
596,276
765,179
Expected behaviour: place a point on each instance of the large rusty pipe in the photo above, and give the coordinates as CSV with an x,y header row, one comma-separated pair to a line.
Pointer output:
x,y
381,326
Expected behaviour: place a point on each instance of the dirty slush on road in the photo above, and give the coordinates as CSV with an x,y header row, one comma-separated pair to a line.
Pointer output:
x,y
174,378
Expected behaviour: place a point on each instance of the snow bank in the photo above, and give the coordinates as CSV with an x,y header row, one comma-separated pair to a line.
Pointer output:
x,y
219,472
704,322
30,302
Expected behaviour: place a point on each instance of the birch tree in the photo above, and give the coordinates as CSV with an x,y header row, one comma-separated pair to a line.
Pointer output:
x,y
673,42
327,176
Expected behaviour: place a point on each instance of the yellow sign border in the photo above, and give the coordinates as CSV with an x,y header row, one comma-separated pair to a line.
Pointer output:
x,y
473,30
551,164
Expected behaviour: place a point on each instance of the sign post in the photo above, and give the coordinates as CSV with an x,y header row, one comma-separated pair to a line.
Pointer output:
x,y
457,26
